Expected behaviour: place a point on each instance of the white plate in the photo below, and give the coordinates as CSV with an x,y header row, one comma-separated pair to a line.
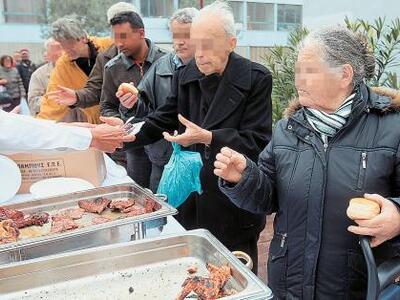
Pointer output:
x,y
10,179
59,186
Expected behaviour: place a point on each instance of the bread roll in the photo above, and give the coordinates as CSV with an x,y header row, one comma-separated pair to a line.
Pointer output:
x,y
127,88
362,209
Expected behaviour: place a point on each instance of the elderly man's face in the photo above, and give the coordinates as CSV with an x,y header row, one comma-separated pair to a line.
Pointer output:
x,y
212,45
17,57
53,51
128,40
75,48
181,40
316,83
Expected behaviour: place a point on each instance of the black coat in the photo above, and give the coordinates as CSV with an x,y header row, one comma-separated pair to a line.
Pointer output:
x,y
312,255
240,117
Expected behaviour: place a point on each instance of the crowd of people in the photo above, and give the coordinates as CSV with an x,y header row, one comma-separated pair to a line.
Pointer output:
x,y
338,140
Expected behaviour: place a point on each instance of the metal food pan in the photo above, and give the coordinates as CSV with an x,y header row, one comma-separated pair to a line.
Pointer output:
x,y
147,269
37,241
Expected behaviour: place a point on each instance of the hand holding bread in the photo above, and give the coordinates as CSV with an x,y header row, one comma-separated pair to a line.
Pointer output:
x,y
127,94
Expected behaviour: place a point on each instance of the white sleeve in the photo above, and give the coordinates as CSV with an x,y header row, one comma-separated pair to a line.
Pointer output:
x,y
23,133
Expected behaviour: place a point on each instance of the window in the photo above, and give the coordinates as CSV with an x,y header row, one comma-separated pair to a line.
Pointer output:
x,y
260,16
237,8
24,11
157,8
193,3
289,16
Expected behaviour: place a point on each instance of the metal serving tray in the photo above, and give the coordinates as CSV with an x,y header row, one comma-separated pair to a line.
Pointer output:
x,y
36,241
147,269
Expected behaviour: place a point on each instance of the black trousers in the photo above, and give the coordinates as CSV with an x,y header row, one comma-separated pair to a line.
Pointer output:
x,y
139,166
155,177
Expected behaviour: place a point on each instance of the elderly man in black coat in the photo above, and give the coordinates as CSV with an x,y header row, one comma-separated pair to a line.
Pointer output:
x,y
218,99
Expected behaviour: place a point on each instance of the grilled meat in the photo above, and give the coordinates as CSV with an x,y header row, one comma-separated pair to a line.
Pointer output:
x,y
97,205
207,288
38,219
12,214
8,231
70,213
61,225
134,211
150,205
121,204
100,220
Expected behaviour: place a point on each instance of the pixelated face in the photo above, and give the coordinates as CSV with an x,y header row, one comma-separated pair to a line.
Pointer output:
x,y
128,40
317,84
53,52
7,63
75,48
212,45
181,40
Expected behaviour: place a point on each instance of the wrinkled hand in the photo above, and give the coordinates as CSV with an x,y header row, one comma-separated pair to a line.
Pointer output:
x,y
112,121
128,100
193,134
384,226
63,96
229,165
78,124
108,138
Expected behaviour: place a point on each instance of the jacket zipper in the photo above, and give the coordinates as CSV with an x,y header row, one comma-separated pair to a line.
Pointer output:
x,y
283,239
362,171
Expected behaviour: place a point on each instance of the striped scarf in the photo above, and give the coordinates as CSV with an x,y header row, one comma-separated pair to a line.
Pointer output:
x,y
327,125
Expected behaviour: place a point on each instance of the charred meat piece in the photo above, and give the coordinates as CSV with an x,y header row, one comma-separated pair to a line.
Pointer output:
x,y
8,231
192,269
12,214
97,205
121,204
61,225
71,213
207,288
134,211
150,205
100,220
38,219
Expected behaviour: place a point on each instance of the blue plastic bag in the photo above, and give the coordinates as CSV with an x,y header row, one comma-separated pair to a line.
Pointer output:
x,y
181,176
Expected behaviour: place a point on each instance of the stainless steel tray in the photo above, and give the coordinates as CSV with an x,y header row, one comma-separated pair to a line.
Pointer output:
x,y
147,269
36,241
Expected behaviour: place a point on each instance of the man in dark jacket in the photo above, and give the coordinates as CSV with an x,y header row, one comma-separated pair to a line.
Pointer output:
x,y
156,86
221,99
337,143
136,57
25,68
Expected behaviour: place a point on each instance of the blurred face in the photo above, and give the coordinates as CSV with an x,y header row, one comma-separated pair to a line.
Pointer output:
x,y
17,57
212,45
53,52
75,48
181,40
7,63
128,40
318,85
25,55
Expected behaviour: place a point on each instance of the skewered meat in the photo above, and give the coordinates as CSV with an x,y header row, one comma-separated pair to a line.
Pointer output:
x,y
71,213
207,288
8,231
94,206
61,225
100,220
38,219
134,211
12,214
121,204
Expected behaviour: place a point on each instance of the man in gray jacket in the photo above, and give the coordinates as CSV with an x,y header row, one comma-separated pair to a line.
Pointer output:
x,y
156,86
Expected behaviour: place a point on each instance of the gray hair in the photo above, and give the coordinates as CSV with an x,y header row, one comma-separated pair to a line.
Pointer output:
x,y
120,7
223,11
48,42
341,46
184,15
68,28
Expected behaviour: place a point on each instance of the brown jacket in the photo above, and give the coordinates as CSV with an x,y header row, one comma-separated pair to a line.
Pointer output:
x,y
90,94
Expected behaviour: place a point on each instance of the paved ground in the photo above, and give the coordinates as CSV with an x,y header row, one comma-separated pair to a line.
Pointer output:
x,y
263,247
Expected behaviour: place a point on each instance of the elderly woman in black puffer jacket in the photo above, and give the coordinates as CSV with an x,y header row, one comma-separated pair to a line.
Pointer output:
x,y
340,140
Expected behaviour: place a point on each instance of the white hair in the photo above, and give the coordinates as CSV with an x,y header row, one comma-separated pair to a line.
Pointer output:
x,y
120,7
184,15
340,46
48,42
223,12
68,28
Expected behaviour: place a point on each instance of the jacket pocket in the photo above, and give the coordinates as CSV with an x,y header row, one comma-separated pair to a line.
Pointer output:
x,y
277,265
362,170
